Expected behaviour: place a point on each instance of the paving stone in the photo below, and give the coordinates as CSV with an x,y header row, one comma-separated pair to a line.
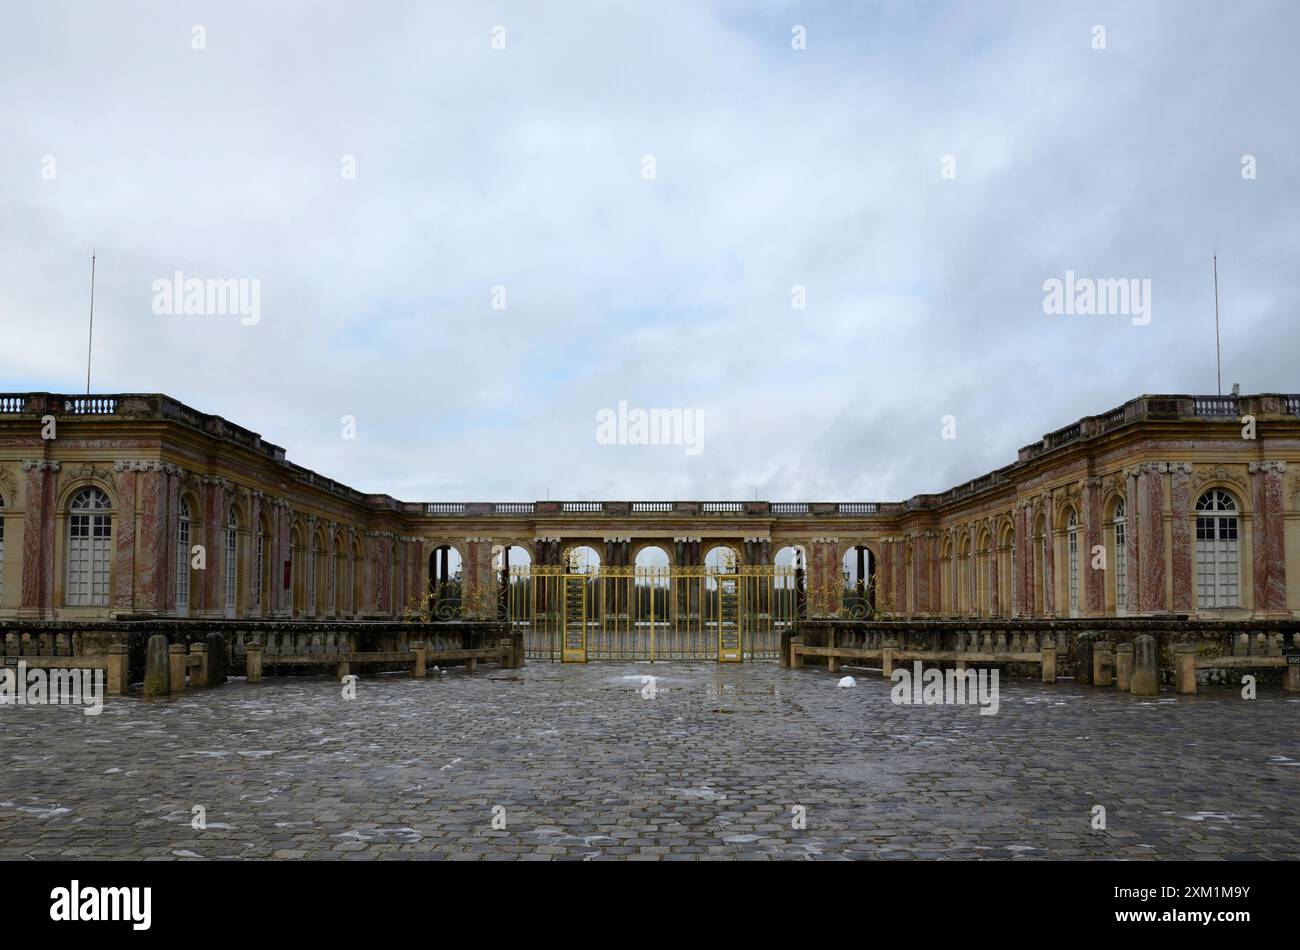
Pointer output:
x,y
585,768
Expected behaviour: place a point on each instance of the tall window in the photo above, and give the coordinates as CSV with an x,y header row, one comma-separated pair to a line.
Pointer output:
x,y
990,553
90,530
334,577
1072,551
1011,575
1217,569
259,564
183,560
232,562
1121,558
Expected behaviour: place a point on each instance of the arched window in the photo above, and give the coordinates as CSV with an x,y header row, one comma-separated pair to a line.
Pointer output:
x,y
1013,596
232,562
89,536
1120,530
1072,561
183,560
1217,569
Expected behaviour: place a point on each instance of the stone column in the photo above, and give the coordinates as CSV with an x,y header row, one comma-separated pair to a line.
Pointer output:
x,y
1094,581
124,531
920,573
885,576
1049,556
38,538
1020,543
1182,537
1151,538
824,581
1268,531
212,581
1133,504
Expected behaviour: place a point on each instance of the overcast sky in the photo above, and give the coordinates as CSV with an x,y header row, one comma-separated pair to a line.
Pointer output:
x,y
524,168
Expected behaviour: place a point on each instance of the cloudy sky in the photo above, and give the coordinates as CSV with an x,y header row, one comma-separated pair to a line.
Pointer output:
x,y
525,169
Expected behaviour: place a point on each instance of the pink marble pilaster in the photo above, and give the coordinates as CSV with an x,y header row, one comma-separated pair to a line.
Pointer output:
x,y
1269,539
1182,535
1151,534
124,531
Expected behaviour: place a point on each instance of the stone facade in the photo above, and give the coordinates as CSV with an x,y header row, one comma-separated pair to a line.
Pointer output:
x,y
1037,538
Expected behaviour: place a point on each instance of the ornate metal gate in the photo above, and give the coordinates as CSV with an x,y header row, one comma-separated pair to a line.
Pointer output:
x,y
652,613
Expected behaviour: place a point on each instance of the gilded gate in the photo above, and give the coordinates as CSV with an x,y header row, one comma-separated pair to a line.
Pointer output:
x,y
653,613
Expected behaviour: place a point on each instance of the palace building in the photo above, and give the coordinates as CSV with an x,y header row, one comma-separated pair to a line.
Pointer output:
x,y
140,506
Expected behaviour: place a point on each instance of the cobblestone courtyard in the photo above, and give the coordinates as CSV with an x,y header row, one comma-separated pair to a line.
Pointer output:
x,y
584,767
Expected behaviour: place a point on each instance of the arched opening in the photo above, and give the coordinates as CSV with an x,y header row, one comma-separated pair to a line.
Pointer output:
x,y
445,582
1007,599
1218,568
357,605
262,567
297,557
1041,572
581,559
858,571
319,556
514,569
790,577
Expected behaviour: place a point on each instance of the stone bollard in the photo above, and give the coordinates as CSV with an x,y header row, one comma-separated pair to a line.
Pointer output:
x,y
417,660
118,662
887,657
784,656
157,668
1103,664
176,654
217,669
253,662
1185,668
1083,659
1146,666
199,674
795,659
1123,666
517,649
1049,661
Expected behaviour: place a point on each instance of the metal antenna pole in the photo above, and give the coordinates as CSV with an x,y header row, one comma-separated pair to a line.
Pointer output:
x,y
90,340
1218,362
